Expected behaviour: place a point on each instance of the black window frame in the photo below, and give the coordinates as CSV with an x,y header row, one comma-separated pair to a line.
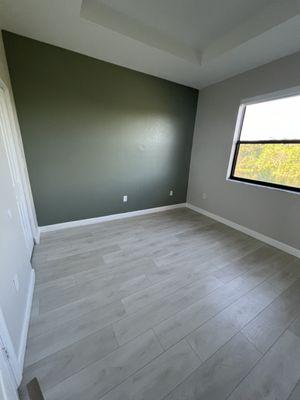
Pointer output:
x,y
238,142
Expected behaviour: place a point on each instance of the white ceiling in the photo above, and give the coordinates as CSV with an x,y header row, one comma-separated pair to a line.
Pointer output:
x,y
192,23
193,42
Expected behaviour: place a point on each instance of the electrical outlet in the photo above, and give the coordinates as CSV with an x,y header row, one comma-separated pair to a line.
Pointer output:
x,y
16,282
171,192
204,196
125,198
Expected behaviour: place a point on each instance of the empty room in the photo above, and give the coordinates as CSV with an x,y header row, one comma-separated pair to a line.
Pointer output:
x,y
149,199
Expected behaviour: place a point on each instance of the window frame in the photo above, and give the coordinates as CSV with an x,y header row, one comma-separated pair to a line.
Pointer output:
x,y
295,91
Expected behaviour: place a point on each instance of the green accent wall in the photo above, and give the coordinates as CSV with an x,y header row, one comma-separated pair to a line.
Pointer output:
x,y
93,132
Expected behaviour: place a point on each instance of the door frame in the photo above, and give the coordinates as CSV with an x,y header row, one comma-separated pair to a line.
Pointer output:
x,y
18,161
8,385
16,158
8,344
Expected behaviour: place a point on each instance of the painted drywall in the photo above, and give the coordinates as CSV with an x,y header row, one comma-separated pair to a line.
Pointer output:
x,y
94,131
271,212
14,258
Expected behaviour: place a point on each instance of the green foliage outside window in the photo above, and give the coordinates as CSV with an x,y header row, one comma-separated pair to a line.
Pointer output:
x,y
272,163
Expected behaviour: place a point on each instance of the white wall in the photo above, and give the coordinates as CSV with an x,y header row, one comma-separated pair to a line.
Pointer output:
x,y
273,213
14,257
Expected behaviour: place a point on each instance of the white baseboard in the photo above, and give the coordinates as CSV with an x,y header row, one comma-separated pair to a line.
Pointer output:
x,y
37,236
22,347
266,239
272,242
97,220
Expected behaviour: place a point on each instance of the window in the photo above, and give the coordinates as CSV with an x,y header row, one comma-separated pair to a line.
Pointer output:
x,y
267,150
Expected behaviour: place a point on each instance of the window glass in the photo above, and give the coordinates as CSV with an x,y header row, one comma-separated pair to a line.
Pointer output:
x,y
268,150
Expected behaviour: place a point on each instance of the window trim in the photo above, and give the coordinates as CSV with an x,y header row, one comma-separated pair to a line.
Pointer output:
x,y
236,140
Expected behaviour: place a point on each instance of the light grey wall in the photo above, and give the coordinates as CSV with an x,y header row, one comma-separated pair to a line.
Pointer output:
x,y
270,212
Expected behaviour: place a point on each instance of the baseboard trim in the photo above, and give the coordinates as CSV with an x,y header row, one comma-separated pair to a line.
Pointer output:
x,y
37,236
266,239
23,342
112,217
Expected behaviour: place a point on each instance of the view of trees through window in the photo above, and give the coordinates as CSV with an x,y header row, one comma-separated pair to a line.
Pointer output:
x,y
268,149
273,163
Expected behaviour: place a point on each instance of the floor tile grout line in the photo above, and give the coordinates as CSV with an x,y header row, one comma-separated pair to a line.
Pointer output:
x,y
152,327
193,350
208,359
125,379
92,332
167,264
275,299
263,354
138,370
293,390
75,275
179,311
241,329
204,362
81,369
74,343
223,284
220,311
165,227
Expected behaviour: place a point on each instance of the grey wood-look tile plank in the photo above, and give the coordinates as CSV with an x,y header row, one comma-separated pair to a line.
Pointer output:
x,y
62,364
217,377
70,332
144,319
266,328
117,271
148,248
213,334
287,275
115,291
85,258
170,280
182,323
99,378
64,267
171,272
183,247
211,262
162,289
57,293
53,319
160,376
229,248
275,375
259,256
295,326
75,249
152,248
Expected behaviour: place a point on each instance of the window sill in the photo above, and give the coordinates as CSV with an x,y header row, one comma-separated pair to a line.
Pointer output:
x,y
266,185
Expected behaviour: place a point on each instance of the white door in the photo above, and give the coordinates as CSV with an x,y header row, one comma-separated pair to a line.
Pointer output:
x,y
10,150
8,386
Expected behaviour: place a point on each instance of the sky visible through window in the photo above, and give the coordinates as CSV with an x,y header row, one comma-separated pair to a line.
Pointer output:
x,y
272,120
